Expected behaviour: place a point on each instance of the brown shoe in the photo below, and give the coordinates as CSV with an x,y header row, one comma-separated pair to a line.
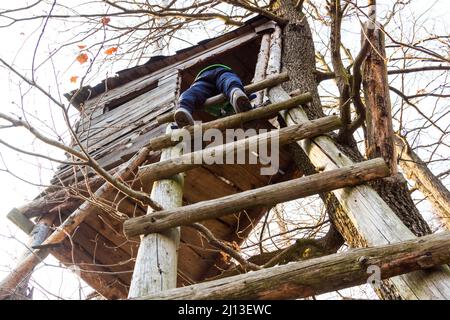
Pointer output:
x,y
240,101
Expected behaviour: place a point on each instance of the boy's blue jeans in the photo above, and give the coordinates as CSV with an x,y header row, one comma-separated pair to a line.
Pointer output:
x,y
210,83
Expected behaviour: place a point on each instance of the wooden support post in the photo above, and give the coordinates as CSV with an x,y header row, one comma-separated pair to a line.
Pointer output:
x,y
276,46
233,121
316,276
430,185
261,66
266,196
373,219
188,161
251,88
380,132
26,266
156,262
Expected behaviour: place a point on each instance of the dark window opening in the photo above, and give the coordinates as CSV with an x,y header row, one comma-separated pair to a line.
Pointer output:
x,y
111,105
241,59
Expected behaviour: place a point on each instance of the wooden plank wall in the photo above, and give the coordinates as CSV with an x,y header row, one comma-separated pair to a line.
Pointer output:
x,y
113,136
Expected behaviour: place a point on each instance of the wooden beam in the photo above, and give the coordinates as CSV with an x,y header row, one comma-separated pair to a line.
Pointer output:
x,y
55,196
233,121
188,161
266,28
20,220
251,88
265,196
156,262
21,272
317,276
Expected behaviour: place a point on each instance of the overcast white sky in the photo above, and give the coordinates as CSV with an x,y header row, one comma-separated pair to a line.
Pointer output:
x,y
17,46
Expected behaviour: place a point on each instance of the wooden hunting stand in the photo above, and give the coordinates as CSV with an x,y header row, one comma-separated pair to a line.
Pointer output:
x,y
125,126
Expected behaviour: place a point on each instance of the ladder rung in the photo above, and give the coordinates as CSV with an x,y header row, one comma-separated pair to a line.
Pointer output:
x,y
265,196
188,161
320,275
235,120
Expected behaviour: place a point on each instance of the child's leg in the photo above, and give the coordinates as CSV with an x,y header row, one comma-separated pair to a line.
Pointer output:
x,y
226,81
231,86
196,95
192,98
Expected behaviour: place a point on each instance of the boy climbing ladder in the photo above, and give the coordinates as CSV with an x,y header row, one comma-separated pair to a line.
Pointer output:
x,y
210,81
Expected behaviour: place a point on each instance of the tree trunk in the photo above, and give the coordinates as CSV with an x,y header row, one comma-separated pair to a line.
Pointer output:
x,y
298,59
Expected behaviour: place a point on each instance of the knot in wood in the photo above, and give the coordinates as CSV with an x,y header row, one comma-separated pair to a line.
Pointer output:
x,y
363,260
426,261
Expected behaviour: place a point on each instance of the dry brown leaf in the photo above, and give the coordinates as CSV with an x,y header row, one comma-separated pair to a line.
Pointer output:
x,y
82,58
110,51
105,21
224,256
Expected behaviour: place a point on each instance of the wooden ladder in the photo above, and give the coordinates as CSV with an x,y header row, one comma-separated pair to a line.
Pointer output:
x,y
156,264
373,219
